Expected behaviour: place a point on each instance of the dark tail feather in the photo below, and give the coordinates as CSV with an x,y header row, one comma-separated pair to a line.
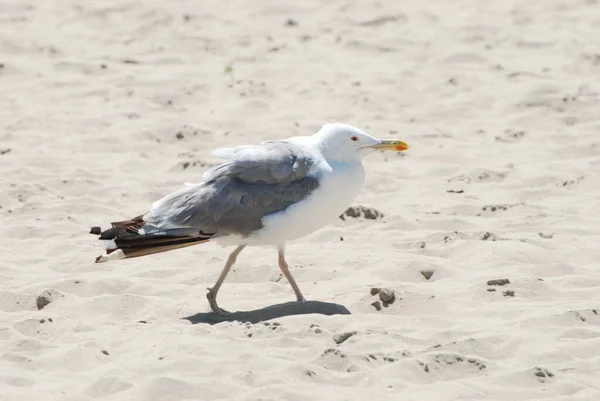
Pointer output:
x,y
125,250
129,243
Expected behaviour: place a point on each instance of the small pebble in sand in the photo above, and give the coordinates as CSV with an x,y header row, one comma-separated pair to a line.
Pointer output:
x,y
509,293
105,352
427,274
542,373
376,305
362,211
387,296
487,235
43,299
340,338
499,282
375,290
546,236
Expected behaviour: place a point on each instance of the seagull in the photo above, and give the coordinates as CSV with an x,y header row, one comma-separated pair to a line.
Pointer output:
x,y
266,194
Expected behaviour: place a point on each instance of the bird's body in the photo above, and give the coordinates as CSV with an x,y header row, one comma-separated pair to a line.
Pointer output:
x,y
266,194
340,183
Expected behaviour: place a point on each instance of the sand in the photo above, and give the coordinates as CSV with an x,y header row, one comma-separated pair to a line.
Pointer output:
x,y
107,106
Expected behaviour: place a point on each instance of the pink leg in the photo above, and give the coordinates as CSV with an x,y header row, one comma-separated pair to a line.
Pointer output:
x,y
286,272
212,292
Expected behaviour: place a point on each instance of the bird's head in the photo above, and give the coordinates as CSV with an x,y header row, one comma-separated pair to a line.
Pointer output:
x,y
345,143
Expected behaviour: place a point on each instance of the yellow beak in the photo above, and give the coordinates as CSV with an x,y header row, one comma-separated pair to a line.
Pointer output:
x,y
391,144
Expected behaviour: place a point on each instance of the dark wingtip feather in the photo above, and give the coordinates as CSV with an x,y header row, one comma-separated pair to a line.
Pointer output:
x,y
111,233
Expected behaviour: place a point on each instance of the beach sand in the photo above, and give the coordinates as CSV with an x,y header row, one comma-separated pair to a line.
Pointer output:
x,y
108,106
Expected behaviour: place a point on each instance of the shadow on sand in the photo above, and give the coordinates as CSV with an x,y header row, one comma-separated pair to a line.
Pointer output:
x,y
271,312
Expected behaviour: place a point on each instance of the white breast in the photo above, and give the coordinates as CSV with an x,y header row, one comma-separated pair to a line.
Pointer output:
x,y
339,185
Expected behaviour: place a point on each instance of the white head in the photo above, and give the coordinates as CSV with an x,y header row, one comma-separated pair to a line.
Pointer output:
x,y
345,143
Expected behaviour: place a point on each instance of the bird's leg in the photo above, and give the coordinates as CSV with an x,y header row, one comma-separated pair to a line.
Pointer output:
x,y
286,272
212,292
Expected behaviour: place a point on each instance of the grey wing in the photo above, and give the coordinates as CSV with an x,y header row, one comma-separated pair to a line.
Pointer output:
x,y
258,181
273,162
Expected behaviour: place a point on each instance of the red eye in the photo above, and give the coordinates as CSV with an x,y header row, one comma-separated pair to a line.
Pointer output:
x,y
354,138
